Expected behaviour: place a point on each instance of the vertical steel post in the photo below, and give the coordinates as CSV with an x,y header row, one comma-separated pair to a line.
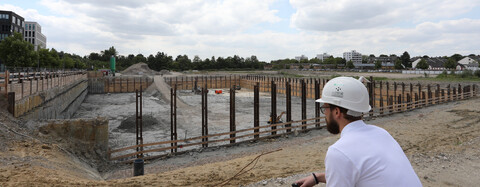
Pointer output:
x,y
205,115
317,104
274,107
139,122
289,103
173,116
304,102
256,109
232,112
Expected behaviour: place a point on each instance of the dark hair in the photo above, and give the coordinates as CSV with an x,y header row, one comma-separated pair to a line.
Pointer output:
x,y
344,111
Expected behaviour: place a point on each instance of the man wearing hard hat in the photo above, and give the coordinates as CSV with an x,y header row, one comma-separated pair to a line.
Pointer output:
x,y
365,155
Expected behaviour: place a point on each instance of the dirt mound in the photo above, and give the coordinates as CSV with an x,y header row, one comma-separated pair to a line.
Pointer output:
x,y
140,69
129,124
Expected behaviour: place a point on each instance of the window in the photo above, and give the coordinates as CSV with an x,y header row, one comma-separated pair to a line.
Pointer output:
x,y
33,26
33,34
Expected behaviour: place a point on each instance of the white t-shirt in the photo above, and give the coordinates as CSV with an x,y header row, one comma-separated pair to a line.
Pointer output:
x,y
367,155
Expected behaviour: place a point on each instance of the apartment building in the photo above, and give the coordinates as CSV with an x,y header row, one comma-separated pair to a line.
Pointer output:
x,y
354,56
10,22
33,34
323,56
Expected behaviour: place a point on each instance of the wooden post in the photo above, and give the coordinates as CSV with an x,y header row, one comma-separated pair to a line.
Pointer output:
x,y
416,101
424,98
390,100
460,96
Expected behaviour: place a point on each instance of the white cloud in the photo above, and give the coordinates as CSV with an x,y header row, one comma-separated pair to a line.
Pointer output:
x,y
338,15
169,17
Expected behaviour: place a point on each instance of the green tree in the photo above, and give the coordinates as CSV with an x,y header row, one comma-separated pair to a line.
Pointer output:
x,y
378,64
398,64
350,65
405,58
106,54
44,57
55,60
457,57
68,62
450,64
422,64
16,52
183,62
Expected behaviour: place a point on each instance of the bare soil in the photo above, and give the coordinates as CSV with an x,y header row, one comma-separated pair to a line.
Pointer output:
x,y
442,142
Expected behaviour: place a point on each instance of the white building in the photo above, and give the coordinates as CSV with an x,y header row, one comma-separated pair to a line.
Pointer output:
x,y
467,60
469,63
299,58
33,34
354,56
323,56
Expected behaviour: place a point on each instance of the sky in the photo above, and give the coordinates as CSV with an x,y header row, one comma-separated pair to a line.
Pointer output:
x,y
268,29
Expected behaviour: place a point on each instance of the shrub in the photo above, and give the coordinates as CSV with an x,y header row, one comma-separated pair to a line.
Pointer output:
x,y
477,73
466,73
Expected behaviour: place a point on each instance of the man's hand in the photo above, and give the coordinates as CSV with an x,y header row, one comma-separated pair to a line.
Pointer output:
x,y
310,181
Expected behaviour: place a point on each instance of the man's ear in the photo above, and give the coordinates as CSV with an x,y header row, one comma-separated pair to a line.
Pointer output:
x,y
336,111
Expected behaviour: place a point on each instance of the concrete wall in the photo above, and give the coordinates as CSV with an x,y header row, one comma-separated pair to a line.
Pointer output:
x,y
92,134
56,103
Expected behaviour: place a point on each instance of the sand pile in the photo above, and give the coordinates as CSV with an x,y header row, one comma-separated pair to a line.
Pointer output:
x,y
141,69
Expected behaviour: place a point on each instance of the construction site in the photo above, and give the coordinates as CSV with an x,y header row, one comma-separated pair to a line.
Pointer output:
x,y
218,129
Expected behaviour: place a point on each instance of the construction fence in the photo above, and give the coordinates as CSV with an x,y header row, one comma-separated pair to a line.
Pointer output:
x,y
118,84
386,98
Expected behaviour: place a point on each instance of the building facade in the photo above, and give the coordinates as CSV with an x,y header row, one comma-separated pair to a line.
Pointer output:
x,y
323,56
10,23
354,56
33,34
302,57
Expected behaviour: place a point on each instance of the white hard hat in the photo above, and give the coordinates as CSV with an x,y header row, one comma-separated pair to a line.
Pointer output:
x,y
346,92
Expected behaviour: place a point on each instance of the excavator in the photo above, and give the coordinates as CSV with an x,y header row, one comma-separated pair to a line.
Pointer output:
x,y
277,120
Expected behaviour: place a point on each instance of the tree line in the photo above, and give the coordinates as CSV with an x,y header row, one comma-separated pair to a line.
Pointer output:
x,y
18,53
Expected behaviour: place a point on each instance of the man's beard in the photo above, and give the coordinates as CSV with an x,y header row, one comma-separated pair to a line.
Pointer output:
x,y
332,125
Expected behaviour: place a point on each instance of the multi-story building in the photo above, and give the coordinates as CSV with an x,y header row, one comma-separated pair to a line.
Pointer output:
x,y
354,56
299,58
323,56
10,23
33,34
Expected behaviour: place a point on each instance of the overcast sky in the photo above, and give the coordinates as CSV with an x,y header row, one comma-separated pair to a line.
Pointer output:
x,y
269,29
